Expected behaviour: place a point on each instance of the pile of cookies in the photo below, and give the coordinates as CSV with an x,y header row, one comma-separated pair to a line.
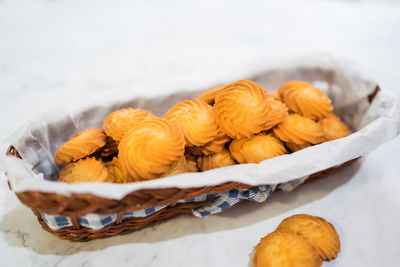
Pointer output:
x,y
300,240
236,123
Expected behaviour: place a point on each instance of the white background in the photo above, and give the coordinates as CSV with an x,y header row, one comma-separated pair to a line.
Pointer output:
x,y
63,54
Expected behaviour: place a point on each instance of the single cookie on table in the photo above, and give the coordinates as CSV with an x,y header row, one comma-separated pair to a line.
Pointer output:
x,y
241,109
334,127
84,170
82,144
117,173
303,98
209,95
256,148
320,233
281,249
293,147
277,113
191,162
149,148
299,130
196,119
119,122
215,160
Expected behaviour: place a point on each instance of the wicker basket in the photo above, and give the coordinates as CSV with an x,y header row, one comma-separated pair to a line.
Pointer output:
x,y
81,204
77,205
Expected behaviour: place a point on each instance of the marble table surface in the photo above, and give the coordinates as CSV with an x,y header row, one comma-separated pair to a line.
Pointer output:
x,y
60,54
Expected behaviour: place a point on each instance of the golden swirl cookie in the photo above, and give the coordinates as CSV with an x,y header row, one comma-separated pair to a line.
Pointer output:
x,y
215,160
84,170
242,109
334,127
293,147
197,120
256,148
277,113
299,130
177,167
305,99
209,95
215,145
150,148
119,122
191,162
117,173
280,249
320,233
80,145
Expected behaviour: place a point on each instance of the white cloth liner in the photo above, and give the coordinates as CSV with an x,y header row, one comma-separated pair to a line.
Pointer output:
x,y
374,124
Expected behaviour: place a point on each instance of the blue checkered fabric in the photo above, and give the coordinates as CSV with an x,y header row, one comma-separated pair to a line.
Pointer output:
x,y
56,222
234,196
222,201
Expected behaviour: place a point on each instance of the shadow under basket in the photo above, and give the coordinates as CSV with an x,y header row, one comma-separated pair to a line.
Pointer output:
x,y
77,205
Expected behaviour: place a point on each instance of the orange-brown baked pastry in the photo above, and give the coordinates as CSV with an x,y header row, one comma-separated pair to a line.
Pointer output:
x,y
149,148
197,120
293,147
177,167
256,148
80,145
299,130
320,233
275,94
215,145
119,122
277,113
117,173
209,95
242,109
215,160
191,162
305,99
280,249
334,127
84,170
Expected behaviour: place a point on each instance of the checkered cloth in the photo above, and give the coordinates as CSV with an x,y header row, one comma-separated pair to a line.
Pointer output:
x,y
222,201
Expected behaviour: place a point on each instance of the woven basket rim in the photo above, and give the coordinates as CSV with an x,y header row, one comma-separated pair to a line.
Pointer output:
x,y
77,205
79,233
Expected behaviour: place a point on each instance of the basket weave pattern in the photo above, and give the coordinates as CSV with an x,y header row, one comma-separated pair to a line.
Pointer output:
x,y
77,233
78,205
